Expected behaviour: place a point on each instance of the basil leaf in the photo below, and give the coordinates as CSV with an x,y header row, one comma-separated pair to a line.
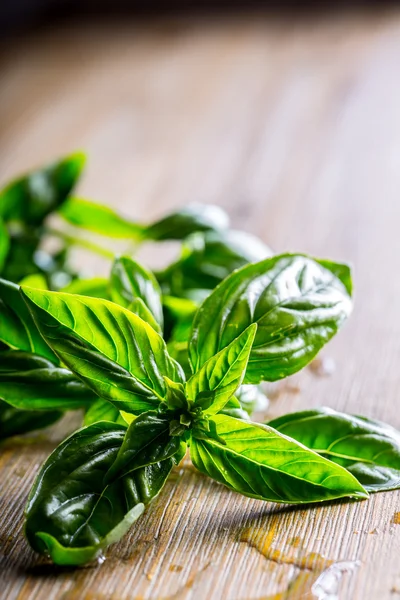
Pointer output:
x,y
369,449
32,197
99,219
130,281
259,462
4,244
16,422
187,220
115,352
210,257
102,410
97,287
297,304
31,382
138,307
147,441
17,327
71,513
36,280
224,372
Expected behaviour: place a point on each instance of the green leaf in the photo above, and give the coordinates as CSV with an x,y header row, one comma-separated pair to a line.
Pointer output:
x,y
341,271
99,219
130,281
31,382
259,462
32,197
147,441
71,514
17,327
115,352
4,244
102,410
36,280
369,449
16,422
138,307
297,304
96,287
224,372
210,257
187,220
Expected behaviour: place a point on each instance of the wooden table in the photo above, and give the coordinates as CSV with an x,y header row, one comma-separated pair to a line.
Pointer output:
x,y
293,125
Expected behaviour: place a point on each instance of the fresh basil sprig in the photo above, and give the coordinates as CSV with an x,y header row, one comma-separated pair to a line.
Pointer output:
x,y
368,449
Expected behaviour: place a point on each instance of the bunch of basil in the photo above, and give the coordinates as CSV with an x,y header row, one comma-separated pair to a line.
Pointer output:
x,y
166,362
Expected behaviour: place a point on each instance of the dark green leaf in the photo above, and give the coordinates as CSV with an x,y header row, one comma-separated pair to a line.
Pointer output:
x,y
147,441
131,281
31,382
71,514
4,244
192,218
100,219
224,372
32,197
297,304
102,410
115,352
259,462
16,422
369,449
17,327
208,258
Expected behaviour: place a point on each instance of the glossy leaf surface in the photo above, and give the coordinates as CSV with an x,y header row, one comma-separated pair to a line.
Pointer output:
x,y
32,197
297,304
102,410
99,219
192,218
130,282
259,462
31,382
96,287
17,327
369,449
71,513
115,352
17,422
224,372
147,441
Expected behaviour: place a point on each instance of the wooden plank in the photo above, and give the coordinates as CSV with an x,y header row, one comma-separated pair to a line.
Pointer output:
x,y
293,125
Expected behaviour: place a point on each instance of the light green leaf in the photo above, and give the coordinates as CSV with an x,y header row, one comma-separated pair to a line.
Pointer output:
x,y
369,449
17,327
99,219
297,304
130,282
224,372
96,287
115,352
36,280
102,410
259,462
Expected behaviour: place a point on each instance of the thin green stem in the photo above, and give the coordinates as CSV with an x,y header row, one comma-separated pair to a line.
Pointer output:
x,y
76,241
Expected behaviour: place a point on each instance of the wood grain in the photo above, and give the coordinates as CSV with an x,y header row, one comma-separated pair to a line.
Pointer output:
x,y
292,125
